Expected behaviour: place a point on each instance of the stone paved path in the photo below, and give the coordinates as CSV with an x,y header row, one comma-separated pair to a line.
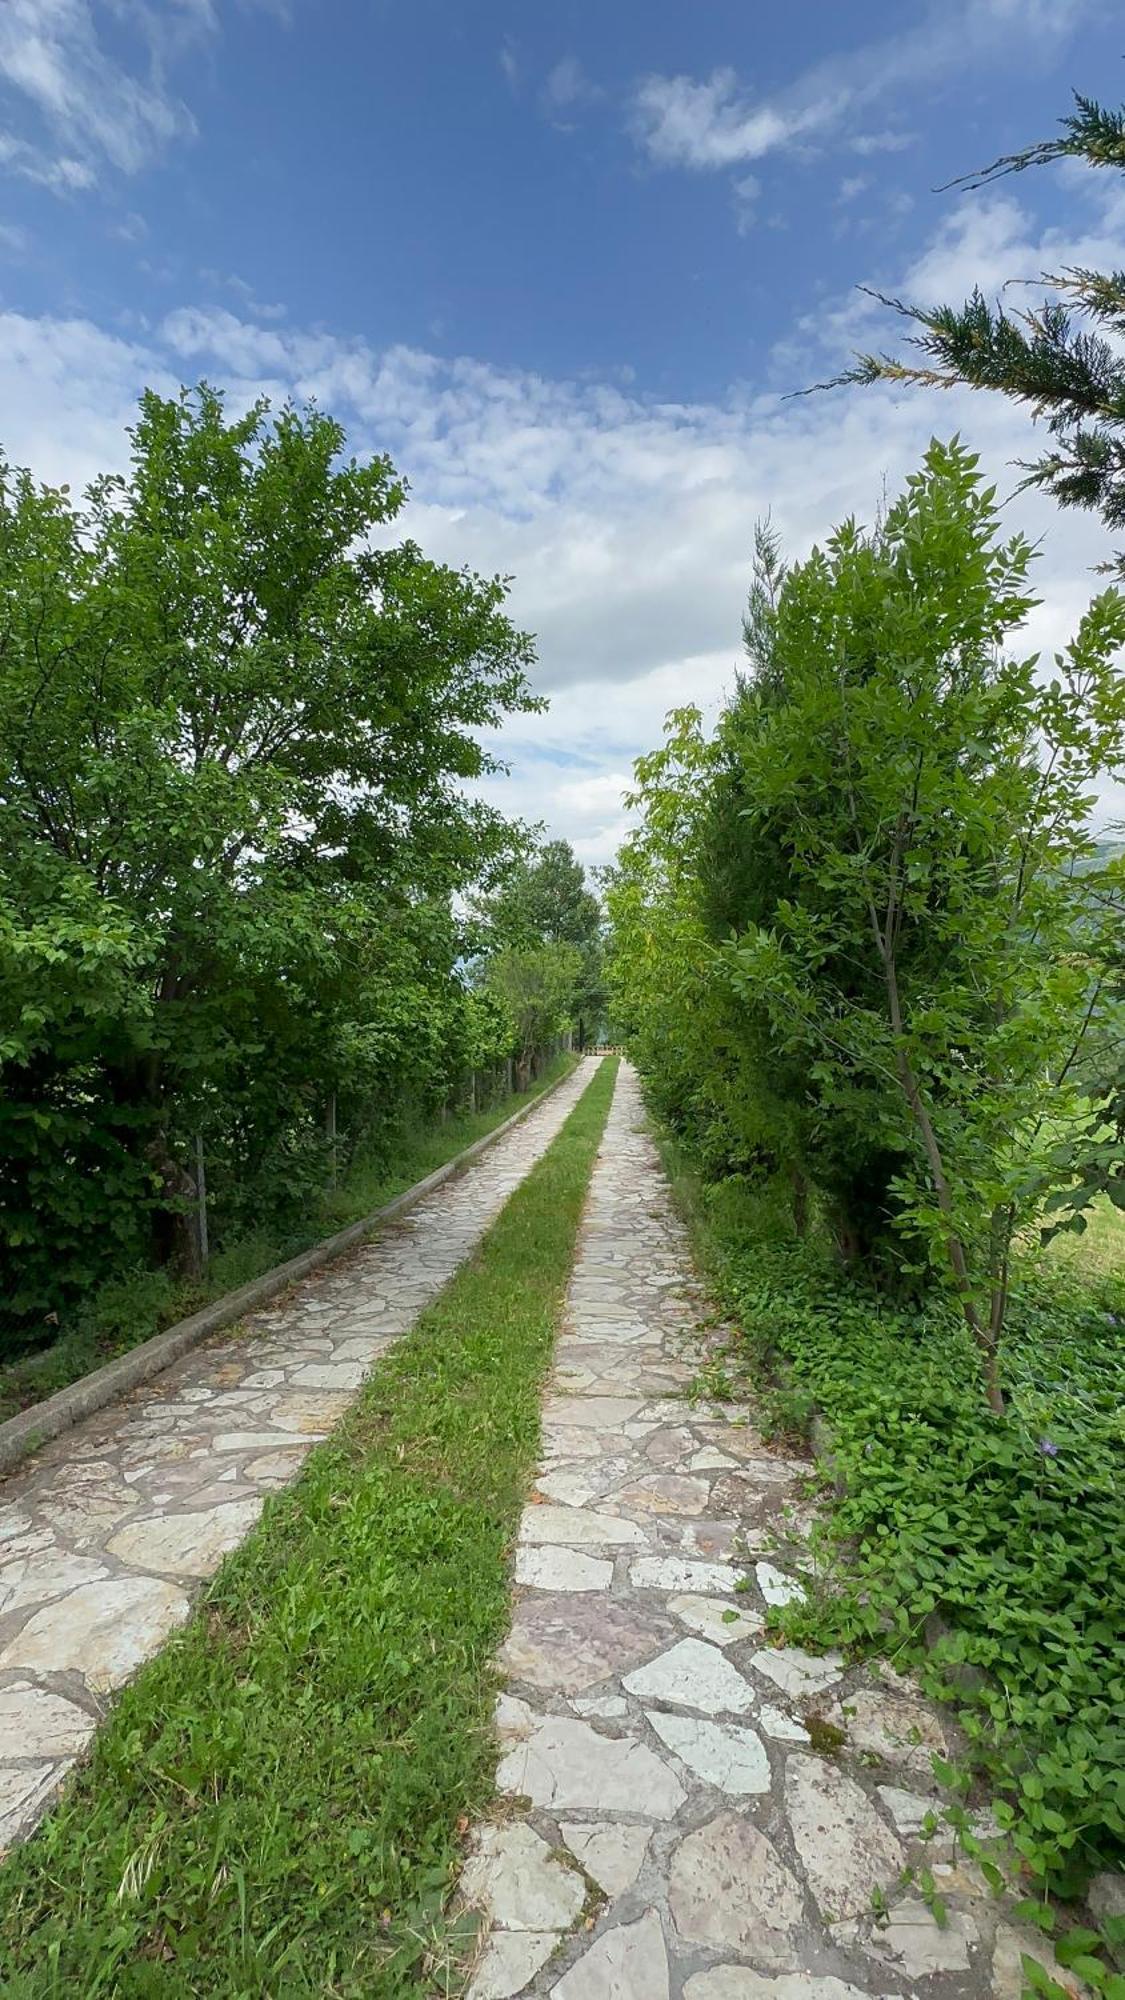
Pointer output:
x,y
104,1534
666,1826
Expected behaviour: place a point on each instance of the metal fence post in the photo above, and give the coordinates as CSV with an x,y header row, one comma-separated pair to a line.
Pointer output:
x,y
330,1130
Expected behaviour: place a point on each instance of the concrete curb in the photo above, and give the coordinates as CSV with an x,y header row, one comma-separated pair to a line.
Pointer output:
x,y
22,1435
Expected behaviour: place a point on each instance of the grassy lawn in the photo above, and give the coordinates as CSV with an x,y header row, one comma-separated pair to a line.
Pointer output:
x,y
275,1804
130,1309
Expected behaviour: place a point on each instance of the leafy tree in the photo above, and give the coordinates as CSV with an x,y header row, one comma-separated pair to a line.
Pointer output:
x,y
233,738
545,900
920,946
1064,359
1065,362
536,986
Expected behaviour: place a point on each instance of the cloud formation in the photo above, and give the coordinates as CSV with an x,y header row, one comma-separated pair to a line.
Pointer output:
x,y
716,122
626,522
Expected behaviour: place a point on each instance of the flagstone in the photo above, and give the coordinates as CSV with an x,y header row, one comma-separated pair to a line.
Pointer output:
x,y
796,1672
515,1880
712,1618
511,1960
24,1788
728,1887
921,1946
775,1586
562,1569
34,1722
572,1640
731,1758
571,1766
629,1963
900,1732
577,1526
694,1675
611,1855
191,1544
101,1630
680,1573
38,1576
737,1982
847,1852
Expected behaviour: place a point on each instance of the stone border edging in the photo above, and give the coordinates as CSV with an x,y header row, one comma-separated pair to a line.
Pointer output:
x,y
23,1434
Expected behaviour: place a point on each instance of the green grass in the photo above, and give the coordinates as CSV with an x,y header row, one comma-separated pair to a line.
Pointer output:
x,y
1099,1252
275,1804
127,1310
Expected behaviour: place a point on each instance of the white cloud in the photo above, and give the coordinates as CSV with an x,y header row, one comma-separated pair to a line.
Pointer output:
x,y
747,191
715,123
866,143
97,100
509,63
568,86
627,523
50,52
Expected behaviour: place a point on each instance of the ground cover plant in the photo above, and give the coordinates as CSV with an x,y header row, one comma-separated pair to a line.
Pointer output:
x,y
128,1309
983,1556
274,1805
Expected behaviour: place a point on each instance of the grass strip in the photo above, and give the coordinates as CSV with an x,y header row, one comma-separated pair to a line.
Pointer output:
x,y
275,1804
126,1310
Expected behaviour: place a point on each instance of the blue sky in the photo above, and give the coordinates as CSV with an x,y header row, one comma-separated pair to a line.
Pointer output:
x,y
562,262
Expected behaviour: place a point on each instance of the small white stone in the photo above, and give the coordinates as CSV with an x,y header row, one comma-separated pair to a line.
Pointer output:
x,y
576,1527
629,1963
796,1672
517,1882
610,1707
724,1755
775,1586
711,1459
612,1855
694,1675
784,1727
562,1569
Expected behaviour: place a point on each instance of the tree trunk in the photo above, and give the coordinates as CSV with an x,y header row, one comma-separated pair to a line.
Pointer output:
x,y
176,1224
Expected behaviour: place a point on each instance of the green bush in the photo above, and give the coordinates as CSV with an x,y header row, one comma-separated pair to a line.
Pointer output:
x,y
965,1541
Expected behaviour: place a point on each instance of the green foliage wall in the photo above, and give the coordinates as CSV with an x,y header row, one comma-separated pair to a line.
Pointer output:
x,y
236,719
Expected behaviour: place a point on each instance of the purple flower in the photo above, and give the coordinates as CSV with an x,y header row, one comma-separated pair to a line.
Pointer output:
x,y
1048,1448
